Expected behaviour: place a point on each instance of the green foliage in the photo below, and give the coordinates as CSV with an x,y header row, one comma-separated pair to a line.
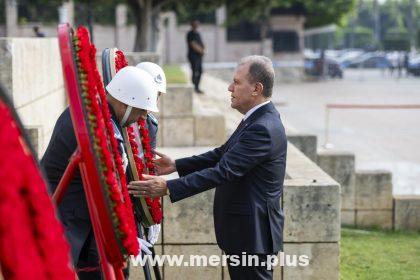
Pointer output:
x,y
240,10
397,39
377,254
418,38
189,10
103,13
326,12
37,11
174,74
318,12
362,37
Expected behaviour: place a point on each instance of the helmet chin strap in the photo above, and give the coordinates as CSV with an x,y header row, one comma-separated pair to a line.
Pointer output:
x,y
126,115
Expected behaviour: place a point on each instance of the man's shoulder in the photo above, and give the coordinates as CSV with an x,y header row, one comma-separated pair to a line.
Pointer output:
x,y
151,119
64,120
270,122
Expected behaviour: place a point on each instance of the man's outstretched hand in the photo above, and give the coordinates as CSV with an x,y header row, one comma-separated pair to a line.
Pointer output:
x,y
164,165
152,186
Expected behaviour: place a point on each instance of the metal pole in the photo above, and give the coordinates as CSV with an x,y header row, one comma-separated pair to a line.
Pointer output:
x,y
90,19
146,268
106,268
64,183
327,128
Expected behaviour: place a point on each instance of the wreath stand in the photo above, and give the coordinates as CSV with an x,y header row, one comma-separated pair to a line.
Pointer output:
x,y
111,258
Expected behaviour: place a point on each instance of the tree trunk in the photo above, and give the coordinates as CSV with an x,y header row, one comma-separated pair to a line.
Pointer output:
x,y
90,18
142,12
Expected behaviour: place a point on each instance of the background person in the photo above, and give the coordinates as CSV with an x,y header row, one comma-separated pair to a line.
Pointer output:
x,y
195,54
37,32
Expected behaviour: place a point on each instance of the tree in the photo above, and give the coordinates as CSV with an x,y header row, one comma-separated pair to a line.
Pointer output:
x,y
318,12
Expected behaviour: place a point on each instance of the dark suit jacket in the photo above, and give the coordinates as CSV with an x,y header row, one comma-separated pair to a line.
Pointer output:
x,y
248,173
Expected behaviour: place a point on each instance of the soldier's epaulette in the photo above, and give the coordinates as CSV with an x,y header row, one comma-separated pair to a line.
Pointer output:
x,y
117,132
153,119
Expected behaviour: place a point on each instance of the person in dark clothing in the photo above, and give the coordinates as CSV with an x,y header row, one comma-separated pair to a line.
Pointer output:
x,y
195,54
406,62
37,32
131,93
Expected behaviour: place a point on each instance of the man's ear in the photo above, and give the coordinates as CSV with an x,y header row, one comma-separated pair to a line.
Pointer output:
x,y
259,88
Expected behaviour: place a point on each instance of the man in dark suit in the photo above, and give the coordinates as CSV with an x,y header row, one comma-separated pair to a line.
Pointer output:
x,y
247,171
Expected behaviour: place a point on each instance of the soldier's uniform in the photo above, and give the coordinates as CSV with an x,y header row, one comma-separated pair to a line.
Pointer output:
x,y
152,125
73,210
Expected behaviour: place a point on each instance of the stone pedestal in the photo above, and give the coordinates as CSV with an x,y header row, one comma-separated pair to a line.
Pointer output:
x,y
311,205
183,125
306,143
341,167
407,212
374,199
324,262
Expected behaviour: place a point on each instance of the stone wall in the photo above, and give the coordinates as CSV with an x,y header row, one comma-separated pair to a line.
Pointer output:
x,y
306,143
168,32
30,69
366,195
311,205
341,166
181,124
218,48
407,212
104,36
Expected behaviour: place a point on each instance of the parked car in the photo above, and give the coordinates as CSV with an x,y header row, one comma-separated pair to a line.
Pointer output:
x,y
370,60
347,56
414,66
312,67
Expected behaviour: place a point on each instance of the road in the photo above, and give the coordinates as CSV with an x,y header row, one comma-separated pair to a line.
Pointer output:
x,y
381,139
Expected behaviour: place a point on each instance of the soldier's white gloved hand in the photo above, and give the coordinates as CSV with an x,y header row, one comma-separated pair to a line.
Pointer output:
x,y
144,246
153,234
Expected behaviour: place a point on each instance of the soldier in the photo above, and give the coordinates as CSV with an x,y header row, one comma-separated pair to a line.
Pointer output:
x,y
160,80
152,124
132,93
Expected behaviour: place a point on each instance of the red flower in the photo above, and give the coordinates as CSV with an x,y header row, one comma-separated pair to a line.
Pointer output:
x,y
106,148
147,166
32,243
155,207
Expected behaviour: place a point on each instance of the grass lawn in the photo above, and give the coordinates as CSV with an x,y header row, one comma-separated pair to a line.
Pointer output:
x,y
174,74
376,254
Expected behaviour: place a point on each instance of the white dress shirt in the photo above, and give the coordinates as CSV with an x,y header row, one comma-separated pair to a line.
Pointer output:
x,y
253,109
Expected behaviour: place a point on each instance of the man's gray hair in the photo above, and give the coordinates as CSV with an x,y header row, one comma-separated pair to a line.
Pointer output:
x,y
260,71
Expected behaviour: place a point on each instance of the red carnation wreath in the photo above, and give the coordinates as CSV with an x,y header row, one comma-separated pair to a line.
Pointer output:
x,y
153,203
146,167
105,146
32,243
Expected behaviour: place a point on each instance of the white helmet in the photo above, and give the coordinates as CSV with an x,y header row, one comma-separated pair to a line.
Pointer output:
x,y
135,88
157,73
